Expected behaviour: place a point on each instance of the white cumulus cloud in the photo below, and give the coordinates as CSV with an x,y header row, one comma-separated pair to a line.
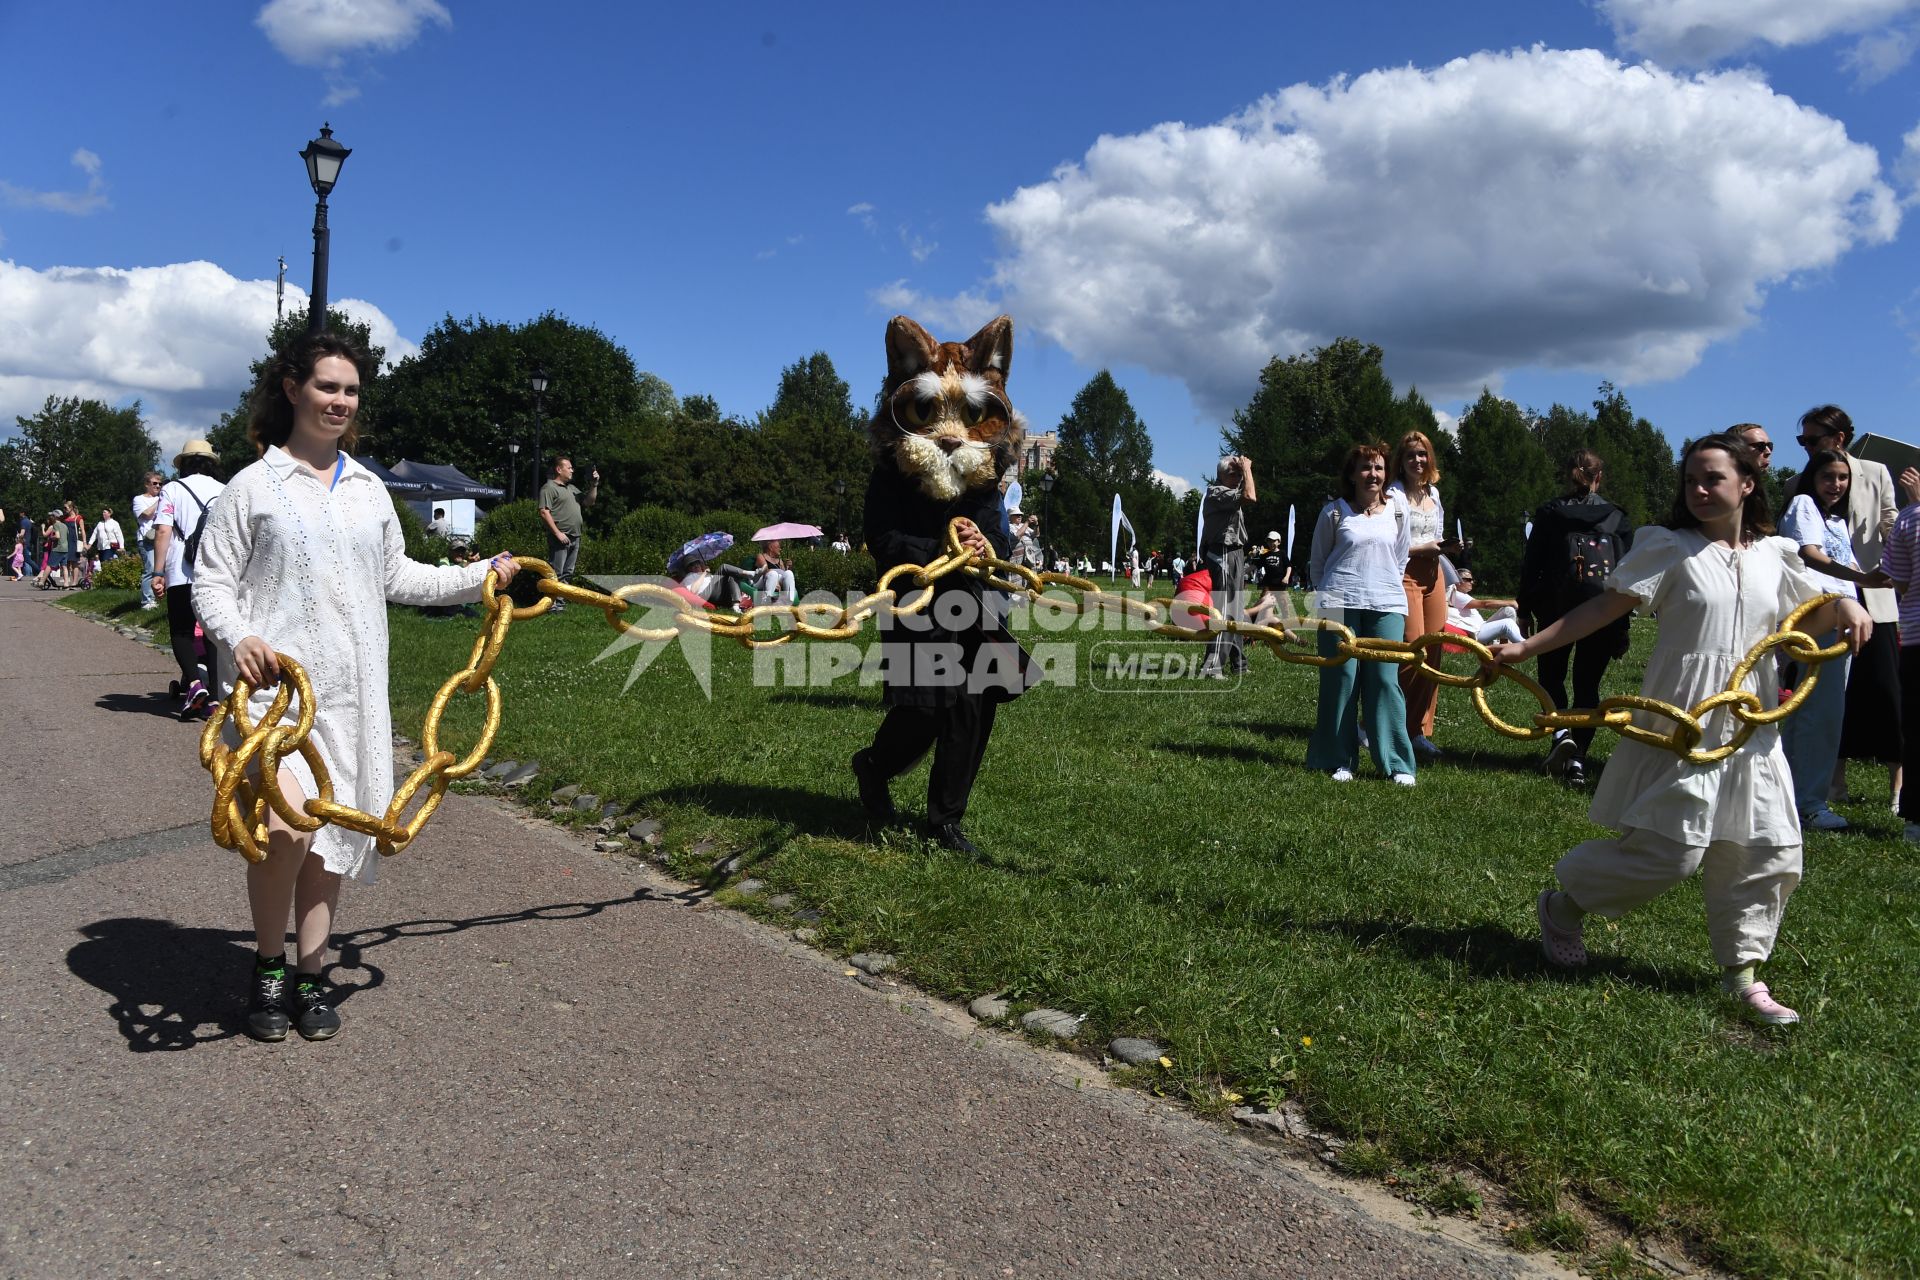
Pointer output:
x,y
180,338
1532,208
1179,485
76,202
1696,32
322,33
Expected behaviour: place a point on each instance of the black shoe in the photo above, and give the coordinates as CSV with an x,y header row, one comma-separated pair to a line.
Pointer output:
x,y
1574,773
317,1020
874,797
267,1012
949,835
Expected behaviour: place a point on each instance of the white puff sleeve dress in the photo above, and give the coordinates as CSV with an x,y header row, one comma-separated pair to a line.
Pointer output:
x,y
309,569
1714,603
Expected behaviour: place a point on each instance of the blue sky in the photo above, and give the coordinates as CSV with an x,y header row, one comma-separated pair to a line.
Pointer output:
x,y
1710,211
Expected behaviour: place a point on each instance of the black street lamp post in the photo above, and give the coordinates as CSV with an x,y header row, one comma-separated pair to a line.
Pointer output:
x,y
539,381
513,466
1046,518
840,496
324,157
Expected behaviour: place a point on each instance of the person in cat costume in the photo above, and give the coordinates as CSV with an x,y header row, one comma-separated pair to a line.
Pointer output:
x,y
944,434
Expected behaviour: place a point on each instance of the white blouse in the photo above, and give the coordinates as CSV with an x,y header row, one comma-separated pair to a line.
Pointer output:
x,y
310,569
1358,561
1423,526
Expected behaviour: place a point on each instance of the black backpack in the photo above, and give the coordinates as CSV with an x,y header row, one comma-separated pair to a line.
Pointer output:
x,y
190,552
1591,555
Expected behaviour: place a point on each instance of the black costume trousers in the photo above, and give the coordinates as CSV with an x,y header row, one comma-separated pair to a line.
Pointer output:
x,y
957,735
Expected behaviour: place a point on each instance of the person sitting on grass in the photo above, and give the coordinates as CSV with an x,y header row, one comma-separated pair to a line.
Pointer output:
x,y
1463,612
722,586
1718,585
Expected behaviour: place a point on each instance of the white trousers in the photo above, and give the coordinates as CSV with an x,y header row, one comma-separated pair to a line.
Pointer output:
x,y
1746,886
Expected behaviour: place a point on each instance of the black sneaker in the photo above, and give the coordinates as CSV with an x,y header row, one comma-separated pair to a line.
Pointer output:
x,y
267,1012
317,1018
1575,773
1564,749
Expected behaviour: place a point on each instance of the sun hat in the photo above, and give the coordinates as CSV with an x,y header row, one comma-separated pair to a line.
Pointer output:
x,y
195,449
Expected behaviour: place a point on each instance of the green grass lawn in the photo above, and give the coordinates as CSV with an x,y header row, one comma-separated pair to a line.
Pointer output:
x,y
1164,864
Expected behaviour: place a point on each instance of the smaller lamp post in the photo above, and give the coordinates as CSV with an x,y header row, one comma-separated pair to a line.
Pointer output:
x,y
513,468
539,382
1046,516
324,157
840,501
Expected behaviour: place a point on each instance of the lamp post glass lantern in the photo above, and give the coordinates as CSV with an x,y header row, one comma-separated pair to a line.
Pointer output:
x,y
324,157
1047,479
539,383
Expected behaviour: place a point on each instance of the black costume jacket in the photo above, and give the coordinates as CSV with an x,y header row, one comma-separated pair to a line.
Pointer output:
x,y
927,662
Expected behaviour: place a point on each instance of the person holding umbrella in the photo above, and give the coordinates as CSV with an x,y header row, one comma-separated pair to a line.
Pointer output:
x,y
773,572
719,589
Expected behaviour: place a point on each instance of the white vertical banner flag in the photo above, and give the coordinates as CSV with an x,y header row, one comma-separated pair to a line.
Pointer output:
x,y
1529,530
1012,500
1288,549
1200,526
1119,519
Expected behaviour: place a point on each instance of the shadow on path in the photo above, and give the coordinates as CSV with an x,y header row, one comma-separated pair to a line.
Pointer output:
x,y
160,704
174,987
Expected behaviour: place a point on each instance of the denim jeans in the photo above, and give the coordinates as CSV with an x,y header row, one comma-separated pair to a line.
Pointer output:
x,y
1811,735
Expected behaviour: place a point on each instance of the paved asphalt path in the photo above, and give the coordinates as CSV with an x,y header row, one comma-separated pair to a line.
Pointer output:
x,y
551,1064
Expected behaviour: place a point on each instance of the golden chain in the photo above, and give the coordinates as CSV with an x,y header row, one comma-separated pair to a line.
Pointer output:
x,y
240,802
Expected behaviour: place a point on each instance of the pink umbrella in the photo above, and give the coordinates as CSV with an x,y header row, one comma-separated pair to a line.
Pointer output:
x,y
789,529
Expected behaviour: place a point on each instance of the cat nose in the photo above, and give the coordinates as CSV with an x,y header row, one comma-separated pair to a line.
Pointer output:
x,y
947,443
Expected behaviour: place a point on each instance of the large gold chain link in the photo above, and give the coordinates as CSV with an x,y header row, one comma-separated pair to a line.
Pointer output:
x,y
246,782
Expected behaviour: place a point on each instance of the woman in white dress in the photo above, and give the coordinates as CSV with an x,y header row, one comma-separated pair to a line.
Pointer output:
x,y
1718,584
301,554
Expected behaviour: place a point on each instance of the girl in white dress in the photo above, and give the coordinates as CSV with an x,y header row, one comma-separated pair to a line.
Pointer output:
x,y
1718,584
300,555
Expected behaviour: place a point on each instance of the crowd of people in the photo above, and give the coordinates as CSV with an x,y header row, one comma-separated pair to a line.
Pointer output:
x,y
300,554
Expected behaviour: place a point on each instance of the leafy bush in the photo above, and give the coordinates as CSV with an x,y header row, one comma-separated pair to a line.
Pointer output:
x,y
658,524
827,570
512,526
120,575
420,545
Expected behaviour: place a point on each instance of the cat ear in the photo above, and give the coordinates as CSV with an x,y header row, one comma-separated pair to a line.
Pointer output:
x,y
909,350
992,347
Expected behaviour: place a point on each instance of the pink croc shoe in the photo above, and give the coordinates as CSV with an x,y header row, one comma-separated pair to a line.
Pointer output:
x,y
1563,947
1758,1003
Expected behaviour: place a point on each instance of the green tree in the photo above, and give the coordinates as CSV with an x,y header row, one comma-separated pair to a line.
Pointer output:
x,y
229,434
1104,450
469,393
80,449
1305,414
811,439
1503,476
813,389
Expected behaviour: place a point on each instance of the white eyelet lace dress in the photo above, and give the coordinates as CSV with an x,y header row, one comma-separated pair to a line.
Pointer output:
x,y
310,570
1714,603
